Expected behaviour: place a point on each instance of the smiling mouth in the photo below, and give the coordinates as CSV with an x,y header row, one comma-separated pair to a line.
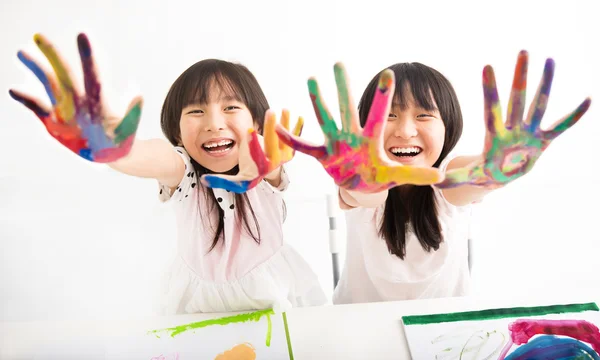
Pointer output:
x,y
406,152
218,146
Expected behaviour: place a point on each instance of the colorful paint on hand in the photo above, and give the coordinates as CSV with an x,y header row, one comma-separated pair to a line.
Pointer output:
x,y
79,121
240,318
238,352
256,164
513,147
354,157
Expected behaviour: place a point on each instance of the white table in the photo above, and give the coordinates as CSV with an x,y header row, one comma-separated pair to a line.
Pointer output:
x,y
357,331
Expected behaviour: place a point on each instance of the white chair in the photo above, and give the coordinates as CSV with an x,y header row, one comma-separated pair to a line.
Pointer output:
x,y
334,241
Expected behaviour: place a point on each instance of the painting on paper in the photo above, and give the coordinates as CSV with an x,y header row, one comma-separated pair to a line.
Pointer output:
x,y
548,332
248,336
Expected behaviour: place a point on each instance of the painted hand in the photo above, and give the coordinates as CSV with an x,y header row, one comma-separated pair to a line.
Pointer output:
x,y
255,164
512,148
355,158
79,120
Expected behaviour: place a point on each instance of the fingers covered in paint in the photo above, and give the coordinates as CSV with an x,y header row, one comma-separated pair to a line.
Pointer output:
x,y
380,107
513,147
565,123
348,113
540,101
516,104
298,144
324,117
491,101
77,119
31,103
93,89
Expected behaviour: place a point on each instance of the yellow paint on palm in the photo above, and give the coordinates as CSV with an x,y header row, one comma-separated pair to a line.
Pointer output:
x,y
66,96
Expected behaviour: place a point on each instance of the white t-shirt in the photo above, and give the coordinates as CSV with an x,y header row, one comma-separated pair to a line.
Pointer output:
x,y
372,274
238,274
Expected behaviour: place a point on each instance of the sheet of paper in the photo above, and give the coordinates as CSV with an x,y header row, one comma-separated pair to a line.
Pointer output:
x,y
246,336
506,333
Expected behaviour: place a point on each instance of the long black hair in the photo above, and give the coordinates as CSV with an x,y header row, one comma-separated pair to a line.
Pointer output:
x,y
193,87
407,205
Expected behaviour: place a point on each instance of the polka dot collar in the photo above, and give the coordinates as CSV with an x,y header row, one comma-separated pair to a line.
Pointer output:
x,y
226,199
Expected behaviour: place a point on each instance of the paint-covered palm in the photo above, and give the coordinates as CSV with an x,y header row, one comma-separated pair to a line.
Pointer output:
x,y
255,164
355,157
513,147
79,119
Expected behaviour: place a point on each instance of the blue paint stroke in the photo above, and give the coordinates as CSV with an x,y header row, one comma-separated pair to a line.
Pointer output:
x,y
237,187
554,348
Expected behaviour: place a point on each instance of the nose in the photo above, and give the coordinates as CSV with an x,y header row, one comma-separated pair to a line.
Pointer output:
x,y
405,128
214,122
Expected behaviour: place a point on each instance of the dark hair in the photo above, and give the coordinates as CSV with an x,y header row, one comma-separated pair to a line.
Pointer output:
x,y
193,87
409,205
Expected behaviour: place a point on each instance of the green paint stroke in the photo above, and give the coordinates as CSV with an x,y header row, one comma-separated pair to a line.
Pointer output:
x,y
129,124
493,314
240,318
287,337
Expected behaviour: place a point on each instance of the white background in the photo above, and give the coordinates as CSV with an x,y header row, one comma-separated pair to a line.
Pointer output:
x,y
82,241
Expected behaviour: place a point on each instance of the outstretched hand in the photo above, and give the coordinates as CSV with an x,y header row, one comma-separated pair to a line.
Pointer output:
x,y
79,120
355,157
513,147
255,164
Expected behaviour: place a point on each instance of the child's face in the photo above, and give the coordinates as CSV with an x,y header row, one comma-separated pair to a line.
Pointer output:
x,y
414,136
211,132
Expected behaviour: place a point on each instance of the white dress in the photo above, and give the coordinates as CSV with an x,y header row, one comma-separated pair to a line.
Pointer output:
x,y
238,274
372,274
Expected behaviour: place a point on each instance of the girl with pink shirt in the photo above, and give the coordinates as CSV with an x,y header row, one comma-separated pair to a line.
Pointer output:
x,y
231,254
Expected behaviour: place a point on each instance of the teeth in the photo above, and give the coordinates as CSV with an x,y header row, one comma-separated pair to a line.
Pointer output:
x,y
409,150
218,151
219,143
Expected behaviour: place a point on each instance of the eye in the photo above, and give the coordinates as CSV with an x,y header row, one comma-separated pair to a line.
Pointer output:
x,y
195,111
392,116
425,116
232,108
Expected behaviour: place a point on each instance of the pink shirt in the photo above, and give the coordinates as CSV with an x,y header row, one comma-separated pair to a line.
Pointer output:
x,y
238,273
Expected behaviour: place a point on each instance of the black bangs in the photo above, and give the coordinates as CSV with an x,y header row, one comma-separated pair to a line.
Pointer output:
x,y
210,82
418,83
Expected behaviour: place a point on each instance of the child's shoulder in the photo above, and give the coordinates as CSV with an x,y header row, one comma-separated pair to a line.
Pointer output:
x,y
188,185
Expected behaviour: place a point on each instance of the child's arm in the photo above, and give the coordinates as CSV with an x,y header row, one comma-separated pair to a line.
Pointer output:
x,y
467,194
154,158
349,199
